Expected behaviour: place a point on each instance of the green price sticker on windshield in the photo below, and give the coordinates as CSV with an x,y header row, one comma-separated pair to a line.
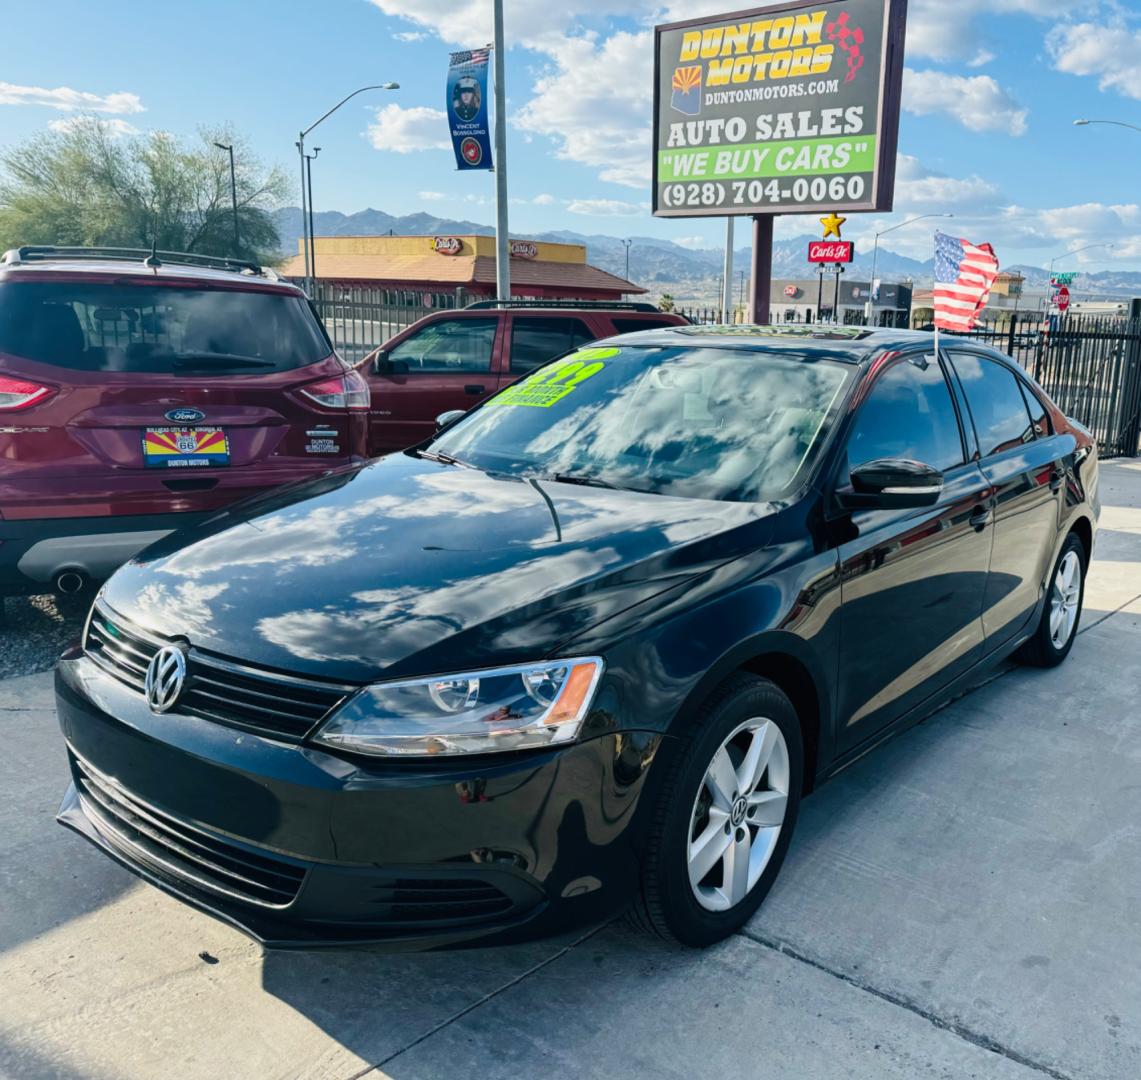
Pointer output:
x,y
546,387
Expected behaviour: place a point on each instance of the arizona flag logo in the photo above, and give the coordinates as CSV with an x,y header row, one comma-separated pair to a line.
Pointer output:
x,y
687,90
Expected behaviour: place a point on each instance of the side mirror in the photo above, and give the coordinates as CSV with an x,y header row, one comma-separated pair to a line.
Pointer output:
x,y
446,419
892,484
382,364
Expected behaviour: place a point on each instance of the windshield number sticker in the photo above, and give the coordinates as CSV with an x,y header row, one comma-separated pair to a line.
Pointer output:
x,y
545,388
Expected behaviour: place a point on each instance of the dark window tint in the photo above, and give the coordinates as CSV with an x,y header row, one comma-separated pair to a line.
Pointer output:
x,y
448,345
534,341
632,326
908,414
88,326
996,403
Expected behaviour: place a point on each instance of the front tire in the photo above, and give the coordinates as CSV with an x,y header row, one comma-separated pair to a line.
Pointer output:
x,y
1058,627
724,816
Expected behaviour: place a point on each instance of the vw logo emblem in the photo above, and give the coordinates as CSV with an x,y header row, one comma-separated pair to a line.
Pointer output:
x,y
166,675
185,416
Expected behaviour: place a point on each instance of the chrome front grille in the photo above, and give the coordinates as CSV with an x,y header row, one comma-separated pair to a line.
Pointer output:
x,y
237,695
180,852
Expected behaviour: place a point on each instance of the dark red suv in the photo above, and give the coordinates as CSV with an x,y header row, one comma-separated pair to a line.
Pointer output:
x,y
454,359
141,392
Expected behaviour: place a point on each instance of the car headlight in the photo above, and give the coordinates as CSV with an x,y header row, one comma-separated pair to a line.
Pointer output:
x,y
479,712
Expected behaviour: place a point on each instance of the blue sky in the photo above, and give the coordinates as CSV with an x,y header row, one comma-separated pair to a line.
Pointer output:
x,y
991,92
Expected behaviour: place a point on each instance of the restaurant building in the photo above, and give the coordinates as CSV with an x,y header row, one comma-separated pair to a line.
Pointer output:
x,y
449,271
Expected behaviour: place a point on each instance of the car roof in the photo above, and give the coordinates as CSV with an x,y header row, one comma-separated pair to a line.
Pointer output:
x,y
121,268
852,344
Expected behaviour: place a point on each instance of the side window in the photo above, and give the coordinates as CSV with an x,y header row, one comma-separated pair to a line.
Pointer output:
x,y
1037,411
449,345
997,406
534,341
631,326
908,414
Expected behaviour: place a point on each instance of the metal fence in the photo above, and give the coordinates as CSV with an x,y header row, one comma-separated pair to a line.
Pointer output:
x,y
360,318
1089,365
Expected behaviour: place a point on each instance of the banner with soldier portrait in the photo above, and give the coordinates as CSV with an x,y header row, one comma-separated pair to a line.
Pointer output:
x,y
467,109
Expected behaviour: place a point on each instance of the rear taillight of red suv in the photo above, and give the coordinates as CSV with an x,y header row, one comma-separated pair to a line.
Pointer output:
x,y
21,394
348,391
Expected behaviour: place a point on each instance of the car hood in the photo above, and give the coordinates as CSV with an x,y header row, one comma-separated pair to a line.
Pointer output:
x,y
407,567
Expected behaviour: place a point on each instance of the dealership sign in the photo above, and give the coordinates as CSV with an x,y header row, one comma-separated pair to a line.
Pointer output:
x,y
831,251
783,109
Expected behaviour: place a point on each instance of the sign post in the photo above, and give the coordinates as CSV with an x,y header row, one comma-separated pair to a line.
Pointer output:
x,y
789,108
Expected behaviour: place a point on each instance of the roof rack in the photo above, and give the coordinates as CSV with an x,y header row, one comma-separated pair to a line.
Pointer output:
x,y
603,305
15,256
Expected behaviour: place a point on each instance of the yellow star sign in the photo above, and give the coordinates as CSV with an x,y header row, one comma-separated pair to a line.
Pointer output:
x,y
832,225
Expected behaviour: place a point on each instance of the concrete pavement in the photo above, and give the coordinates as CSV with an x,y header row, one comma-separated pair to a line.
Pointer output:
x,y
964,902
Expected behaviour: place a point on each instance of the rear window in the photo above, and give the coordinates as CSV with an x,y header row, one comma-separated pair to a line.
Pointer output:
x,y
89,326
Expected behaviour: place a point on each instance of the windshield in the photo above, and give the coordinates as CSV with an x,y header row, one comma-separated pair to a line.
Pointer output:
x,y
93,326
725,424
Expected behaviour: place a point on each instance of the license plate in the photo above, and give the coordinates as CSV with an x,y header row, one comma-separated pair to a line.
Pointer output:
x,y
185,448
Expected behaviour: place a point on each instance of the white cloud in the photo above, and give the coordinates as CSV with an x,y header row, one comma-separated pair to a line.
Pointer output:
x,y
410,35
65,99
605,207
981,58
1107,52
405,131
432,196
114,126
694,243
543,199
586,103
946,30
922,189
977,101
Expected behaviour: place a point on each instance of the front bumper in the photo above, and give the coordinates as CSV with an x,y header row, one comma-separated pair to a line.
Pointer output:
x,y
298,847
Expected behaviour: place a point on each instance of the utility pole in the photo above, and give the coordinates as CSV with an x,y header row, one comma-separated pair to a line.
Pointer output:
x,y
233,191
502,242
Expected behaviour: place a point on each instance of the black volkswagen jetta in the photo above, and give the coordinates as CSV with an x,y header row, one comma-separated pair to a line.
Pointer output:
x,y
589,645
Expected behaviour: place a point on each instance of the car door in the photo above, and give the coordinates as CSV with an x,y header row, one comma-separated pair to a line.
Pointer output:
x,y
912,581
443,364
535,339
1025,464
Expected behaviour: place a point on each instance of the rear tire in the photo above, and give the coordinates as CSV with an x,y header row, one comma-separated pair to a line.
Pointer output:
x,y
1061,615
714,853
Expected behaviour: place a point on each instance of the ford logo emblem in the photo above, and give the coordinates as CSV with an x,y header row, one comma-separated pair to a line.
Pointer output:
x,y
185,416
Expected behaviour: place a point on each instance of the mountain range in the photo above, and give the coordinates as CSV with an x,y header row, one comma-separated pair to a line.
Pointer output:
x,y
664,266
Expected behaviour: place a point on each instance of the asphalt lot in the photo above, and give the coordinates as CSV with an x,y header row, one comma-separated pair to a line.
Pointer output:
x,y
965,902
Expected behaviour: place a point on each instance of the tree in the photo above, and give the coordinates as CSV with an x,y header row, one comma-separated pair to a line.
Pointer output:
x,y
85,186
666,303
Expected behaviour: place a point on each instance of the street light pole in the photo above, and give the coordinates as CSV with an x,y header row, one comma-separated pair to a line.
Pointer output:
x,y
312,237
233,191
502,237
305,235
1115,123
626,244
870,314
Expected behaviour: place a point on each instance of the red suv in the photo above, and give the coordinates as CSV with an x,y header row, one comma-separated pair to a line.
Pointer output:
x,y
141,392
453,359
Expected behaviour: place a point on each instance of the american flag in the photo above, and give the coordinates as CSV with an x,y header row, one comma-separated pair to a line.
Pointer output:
x,y
964,274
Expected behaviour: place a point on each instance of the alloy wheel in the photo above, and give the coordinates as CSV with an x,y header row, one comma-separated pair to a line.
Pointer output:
x,y
738,814
1065,597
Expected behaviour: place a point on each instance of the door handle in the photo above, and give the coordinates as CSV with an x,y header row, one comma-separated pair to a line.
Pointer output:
x,y
1057,479
475,389
980,518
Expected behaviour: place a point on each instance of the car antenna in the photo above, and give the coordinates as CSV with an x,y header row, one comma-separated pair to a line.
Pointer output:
x,y
152,261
